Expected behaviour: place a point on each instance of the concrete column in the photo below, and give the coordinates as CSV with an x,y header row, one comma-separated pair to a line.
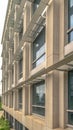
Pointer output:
x,y
9,99
63,99
25,100
52,33
52,100
15,99
25,61
26,15
15,73
8,79
16,41
30,100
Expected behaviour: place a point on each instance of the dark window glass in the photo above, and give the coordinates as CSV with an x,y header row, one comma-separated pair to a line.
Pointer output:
x,y
70,19
71,3
70,90
12,74
35,4
20,98
38,48
21,31
21,67
70,118
38,110
38,98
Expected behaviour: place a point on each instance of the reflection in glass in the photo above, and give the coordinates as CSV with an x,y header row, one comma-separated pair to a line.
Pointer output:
x,y
71,3
70,20
70,118
70,36
35,5
38,48
38,98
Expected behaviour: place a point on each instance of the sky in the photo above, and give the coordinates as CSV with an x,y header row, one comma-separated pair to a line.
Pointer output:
x,y
3,8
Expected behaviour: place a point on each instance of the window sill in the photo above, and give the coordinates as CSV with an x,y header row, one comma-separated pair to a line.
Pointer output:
x,y
37,69
70,126
20,80
68,48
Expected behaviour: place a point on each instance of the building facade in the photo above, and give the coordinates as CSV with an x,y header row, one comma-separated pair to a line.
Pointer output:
x,y
37,69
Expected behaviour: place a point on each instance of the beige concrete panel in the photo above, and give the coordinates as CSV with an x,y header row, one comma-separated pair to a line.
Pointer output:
x,y
61,100
52,100
25,100
52,33
36,125
68,48
30,100
55,99
37,69
49,30
28,122
61,31
16,41
15,73
26,61
66,97
26,15
30,57
49,101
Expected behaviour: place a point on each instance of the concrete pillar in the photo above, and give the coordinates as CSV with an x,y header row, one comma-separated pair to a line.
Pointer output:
x,y
63,99
52,100
25,100
26,15
25,61
15,99
16,40
52,33
15,73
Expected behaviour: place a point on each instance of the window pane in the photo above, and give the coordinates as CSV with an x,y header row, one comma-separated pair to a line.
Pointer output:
x,y
21,66
71,3
70,118
39,94
38,98
39,110
20,98
70,36
38,47
35,4
39,61
71,21
70,90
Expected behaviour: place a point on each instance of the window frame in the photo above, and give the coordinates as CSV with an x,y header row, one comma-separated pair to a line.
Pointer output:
x,y
20,64
70,108
38,106
70,29
20,99
34,61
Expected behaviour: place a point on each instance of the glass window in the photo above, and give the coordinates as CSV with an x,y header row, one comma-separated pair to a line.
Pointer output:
x,y
70,90
70,20
21,30
35,4
38,48
12,74
38,98
21,67
70,97
70,118
71,3
20,98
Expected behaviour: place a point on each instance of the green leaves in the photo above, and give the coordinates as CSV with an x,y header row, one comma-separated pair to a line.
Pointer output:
x,y
4,124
